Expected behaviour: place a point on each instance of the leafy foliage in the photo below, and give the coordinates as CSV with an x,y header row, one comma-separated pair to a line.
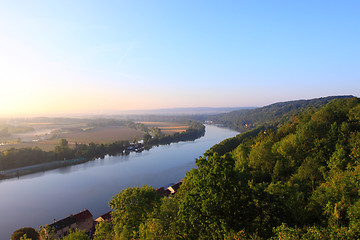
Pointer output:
x,y
76,235
297,178
103,231
194,131
25,233
15,158
214,198
243,120
132,207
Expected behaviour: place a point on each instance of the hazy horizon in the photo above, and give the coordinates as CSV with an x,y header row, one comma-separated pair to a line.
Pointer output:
x,y
88,58
112,113
151,111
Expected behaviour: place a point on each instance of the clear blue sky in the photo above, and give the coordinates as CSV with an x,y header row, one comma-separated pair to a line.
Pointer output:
x,y
96,56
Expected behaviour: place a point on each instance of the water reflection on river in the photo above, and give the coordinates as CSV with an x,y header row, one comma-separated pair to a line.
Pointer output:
x,y
36,199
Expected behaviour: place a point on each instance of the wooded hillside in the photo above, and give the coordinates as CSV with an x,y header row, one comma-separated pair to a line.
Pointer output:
x,y
243,120
295,180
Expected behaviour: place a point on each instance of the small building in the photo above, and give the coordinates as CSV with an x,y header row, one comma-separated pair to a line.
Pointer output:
x,y
82,220
105,217
163,192
174,188
62,227
171,190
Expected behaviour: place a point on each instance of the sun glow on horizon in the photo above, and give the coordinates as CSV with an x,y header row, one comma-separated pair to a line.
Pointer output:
x,y
88,58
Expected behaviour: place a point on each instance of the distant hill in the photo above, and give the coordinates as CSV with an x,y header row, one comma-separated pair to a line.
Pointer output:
x,y
178,111
246,119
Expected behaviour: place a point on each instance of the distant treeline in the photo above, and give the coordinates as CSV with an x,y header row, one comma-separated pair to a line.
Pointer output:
x,y
104,122
15,158
8,130
153,135
194,131
243,120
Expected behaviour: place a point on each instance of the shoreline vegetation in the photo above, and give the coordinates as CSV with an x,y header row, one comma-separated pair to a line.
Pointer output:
x,y
296,179
16,172
17,162
291,179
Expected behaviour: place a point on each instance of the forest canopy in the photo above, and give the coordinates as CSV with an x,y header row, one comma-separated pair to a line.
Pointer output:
x,y
246,119
297,179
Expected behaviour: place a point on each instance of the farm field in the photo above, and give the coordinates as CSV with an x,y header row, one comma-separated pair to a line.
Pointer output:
x,y
167,127
101,135
46,134
44,145
77,135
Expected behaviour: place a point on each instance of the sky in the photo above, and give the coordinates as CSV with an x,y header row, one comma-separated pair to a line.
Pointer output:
x,y
98,57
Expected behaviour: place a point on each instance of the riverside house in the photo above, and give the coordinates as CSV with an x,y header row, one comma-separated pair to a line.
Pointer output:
x,y
82,220
171,190
105,217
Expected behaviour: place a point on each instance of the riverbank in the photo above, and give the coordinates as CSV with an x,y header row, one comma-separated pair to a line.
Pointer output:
x,y
17,172
83,152
38,198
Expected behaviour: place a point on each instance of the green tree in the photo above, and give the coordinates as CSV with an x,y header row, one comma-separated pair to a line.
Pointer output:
x,y
152,229
338,197
213,199
132,207
76,235
262,161
147,137
63,143
25,237
156,132
103,231
63,150
354,219
163,221
28,231
47,232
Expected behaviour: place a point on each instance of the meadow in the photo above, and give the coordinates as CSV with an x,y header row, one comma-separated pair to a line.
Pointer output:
x,y
168,127
46,134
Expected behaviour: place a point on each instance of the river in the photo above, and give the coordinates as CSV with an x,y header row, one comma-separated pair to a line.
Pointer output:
x,y
37,199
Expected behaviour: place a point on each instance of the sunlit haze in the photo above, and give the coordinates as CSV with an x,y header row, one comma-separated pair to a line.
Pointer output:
x,y
94,57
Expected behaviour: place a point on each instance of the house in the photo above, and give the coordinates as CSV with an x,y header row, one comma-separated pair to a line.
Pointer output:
x,y
62,227
105,217
82,220
174,188
163,192
169,191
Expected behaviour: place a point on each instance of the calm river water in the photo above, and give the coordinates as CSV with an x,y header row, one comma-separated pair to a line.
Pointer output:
x,y
38,199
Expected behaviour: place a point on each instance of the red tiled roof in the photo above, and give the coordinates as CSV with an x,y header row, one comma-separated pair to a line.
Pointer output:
x,y
106,216
176,186
66,222
83,216
163,192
